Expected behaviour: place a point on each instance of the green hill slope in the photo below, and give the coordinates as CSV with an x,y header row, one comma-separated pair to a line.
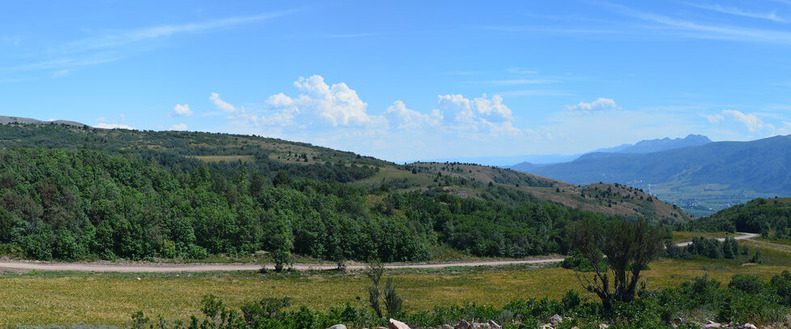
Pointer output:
x,y
71,192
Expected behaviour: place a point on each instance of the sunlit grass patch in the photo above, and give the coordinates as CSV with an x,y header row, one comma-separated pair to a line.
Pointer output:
x,y
110,299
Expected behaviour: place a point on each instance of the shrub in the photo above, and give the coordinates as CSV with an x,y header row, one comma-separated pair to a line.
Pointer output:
x,y
393,302
781,284
757,258
571,300
747,283
741,307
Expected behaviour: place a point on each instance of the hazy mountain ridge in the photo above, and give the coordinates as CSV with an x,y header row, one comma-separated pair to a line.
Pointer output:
x,y
713,175
657,145
641,147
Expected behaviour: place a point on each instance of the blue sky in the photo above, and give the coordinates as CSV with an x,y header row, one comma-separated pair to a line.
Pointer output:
x,y
407,80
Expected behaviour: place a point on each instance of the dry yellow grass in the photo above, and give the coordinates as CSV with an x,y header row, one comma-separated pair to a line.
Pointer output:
x,y
111,298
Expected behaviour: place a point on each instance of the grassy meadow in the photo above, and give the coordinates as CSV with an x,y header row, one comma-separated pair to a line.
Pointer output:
x,y
109,299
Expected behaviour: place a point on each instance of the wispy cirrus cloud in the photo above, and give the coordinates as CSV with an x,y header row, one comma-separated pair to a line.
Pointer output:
x,y
64,63
583,30
110,46
116,39
750,121
512,82
350,35
735,11
685,27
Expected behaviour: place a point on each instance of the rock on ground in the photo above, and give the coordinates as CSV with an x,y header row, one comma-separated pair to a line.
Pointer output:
x,y
555,320
712,324
395,324
338,326
463,324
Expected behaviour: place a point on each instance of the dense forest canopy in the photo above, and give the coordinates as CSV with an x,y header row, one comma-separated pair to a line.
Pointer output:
x,y
769,217
81,193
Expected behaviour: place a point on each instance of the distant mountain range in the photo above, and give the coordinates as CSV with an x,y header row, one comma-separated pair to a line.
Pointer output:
x,y
699,175
658,145
508,161
531,164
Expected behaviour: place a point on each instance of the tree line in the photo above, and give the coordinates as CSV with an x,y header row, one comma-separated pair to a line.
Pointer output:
x,y
84,203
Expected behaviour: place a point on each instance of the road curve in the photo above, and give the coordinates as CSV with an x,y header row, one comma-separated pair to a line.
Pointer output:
x,y
14,265
739,236
17,265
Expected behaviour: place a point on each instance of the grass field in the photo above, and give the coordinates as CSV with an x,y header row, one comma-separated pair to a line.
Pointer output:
x,y
683,236
111,298
78,298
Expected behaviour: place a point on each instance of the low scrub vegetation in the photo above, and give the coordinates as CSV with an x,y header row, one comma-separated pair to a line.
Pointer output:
x,y
745,299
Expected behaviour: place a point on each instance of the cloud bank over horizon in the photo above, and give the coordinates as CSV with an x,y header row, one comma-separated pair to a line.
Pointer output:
x,y
333,114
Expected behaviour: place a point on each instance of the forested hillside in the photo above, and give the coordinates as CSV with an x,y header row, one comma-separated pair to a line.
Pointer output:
x,y
72,192
769,217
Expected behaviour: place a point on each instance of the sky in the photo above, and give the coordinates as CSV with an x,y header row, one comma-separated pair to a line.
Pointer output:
x,y
407,80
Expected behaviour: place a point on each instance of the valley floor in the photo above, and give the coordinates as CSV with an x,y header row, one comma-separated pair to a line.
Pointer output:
x,y
65,298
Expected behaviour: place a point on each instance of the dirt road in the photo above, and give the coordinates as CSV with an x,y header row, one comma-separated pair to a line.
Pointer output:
x,y
17,265
739,236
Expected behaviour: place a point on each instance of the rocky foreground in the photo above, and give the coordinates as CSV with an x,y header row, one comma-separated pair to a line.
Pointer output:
x,y
552,323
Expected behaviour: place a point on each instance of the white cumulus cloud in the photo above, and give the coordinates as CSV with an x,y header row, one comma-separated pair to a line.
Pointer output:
x,y
239,114
179,127
337,104
600,103
333,114
317,102
407,118
182,110
479,114
105,125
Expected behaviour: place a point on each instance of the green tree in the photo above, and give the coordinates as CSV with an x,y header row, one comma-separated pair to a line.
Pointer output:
x,y
628,247
279,238
281,179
